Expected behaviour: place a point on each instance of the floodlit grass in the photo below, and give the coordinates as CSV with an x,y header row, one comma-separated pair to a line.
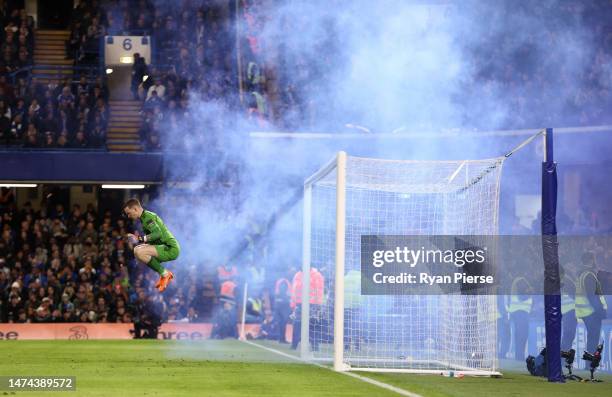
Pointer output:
x,y
232,368
511,384
165,368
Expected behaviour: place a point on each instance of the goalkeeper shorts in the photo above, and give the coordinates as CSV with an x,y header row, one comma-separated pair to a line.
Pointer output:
x,y
168,252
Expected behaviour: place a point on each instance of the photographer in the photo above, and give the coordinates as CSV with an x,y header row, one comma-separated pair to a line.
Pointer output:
x,y
149,315
224,324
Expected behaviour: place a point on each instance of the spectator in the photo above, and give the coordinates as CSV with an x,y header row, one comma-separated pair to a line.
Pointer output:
x,y
90,43
153,101
6,129
80,140
206,302
13,308
282,306
74,42
98,131
139,70
158,88
49,142
34,108
49,123
66,98
32,138
23,61
82,87
66,123
22,92
5,110
153,144
16,131
7,64
101,109
269,327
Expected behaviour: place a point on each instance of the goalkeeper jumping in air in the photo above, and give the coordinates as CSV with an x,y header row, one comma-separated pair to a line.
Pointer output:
x,y
156,246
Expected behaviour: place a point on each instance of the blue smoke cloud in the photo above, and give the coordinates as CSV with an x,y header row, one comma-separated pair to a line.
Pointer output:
x,y
387,65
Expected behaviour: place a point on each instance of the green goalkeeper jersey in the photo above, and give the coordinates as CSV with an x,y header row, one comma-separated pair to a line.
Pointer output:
x,y
155,230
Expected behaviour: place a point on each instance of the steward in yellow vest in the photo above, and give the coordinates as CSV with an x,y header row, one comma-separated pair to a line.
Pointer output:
x,y
519,309
590,303
568,309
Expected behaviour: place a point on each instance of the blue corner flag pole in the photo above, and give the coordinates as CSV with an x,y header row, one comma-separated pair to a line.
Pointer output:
x,y
552,280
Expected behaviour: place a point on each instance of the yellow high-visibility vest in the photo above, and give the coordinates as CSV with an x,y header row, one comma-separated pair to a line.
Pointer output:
x,y
497,312
516,303
256,305
504,300
567,301
583,306
352,290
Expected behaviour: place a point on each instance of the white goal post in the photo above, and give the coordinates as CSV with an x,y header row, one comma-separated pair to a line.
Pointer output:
x,y
352,196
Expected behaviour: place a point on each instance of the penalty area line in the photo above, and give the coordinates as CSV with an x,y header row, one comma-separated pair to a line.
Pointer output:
x,y
371,381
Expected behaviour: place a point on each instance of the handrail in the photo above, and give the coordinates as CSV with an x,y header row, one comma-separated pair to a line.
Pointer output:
x,y
12,76
16,148
20,70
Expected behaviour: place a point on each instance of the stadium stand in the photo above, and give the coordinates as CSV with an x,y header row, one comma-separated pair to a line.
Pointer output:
x,y
275,91
60,266
47,101
187,68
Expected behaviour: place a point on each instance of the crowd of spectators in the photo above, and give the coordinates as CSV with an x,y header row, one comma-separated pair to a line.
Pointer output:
x,y
87,26
17,38
194,60
58,266
66,266
194,64
198,67
77,266
68,114
53,116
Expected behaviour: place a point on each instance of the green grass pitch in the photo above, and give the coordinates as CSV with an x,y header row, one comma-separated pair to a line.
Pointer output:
x,y
232,368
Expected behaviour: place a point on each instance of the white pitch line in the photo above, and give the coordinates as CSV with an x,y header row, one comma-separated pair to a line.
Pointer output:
x,y
371,381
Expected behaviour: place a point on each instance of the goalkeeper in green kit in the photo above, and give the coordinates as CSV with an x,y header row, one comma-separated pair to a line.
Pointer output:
x,y
156,246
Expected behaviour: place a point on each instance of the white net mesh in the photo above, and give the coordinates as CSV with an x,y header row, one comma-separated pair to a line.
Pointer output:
x,y
404,332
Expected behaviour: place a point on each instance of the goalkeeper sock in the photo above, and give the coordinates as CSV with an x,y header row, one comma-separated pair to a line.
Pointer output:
x,y
155,264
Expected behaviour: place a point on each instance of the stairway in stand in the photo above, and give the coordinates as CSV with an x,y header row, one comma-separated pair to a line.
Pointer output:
x,y
50,52
122,135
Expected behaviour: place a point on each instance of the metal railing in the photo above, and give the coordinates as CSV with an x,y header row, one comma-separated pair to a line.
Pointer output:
x,y
91,72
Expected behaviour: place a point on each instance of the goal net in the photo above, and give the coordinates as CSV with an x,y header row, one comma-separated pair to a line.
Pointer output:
x,y
351,197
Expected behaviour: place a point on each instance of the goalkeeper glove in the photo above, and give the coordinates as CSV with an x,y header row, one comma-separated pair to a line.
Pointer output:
x,y
137,239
